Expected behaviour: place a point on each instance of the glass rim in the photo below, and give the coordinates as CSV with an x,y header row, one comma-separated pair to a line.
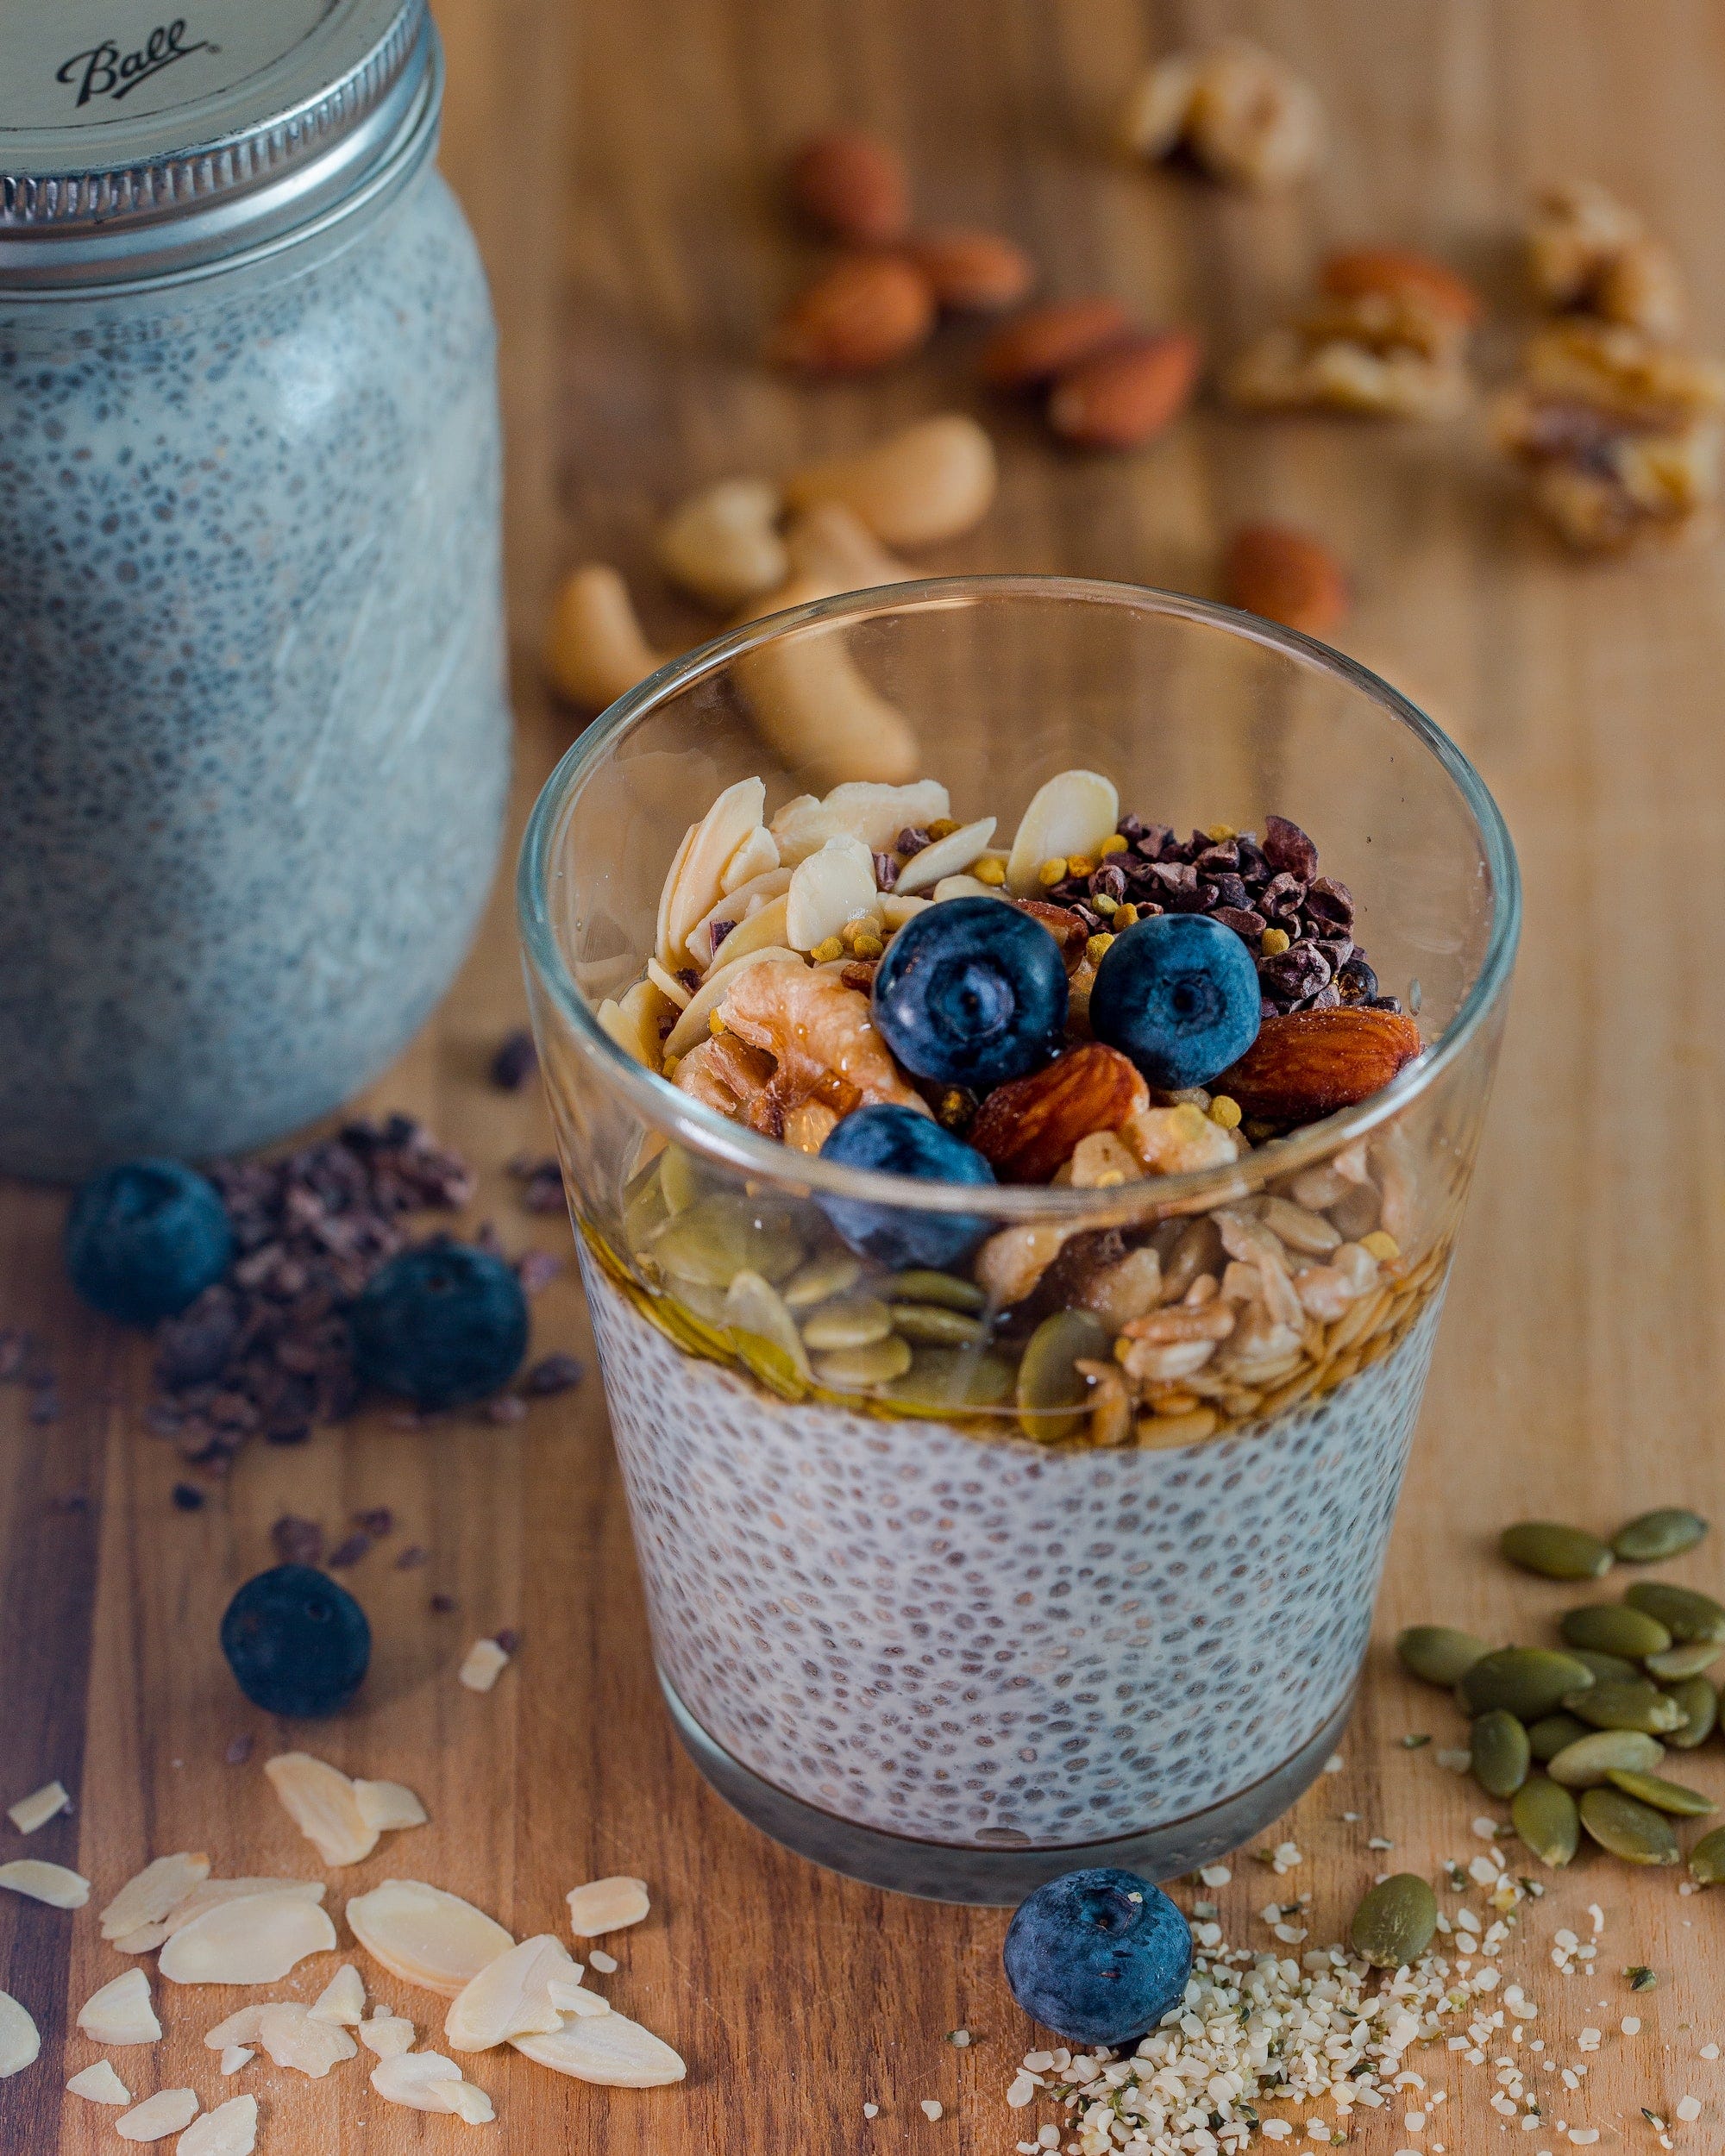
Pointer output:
x,y
679,1116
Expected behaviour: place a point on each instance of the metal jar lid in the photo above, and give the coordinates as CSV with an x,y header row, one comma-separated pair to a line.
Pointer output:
x,y
137,144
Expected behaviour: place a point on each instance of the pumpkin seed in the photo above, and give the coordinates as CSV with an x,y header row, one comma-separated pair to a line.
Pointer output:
x,y
1700,1703
682,1179
1501,1753
768,1361
1393,1925
1685,1613
1707,1859
1614,1628
1052,1393
1438,1653
1688,1658
1625,1703
1552,1733
1608,1669
941,1288
930,1325
768,1342
720,1236
948,1380
855,1369
1663,1795
848,1322
1543,1813
1665,1533
1555,1552
1590,1758
1527,1681
833,1273
1641,1979
1633,1831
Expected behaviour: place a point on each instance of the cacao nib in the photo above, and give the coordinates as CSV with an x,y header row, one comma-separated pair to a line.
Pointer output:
x,y
1286,847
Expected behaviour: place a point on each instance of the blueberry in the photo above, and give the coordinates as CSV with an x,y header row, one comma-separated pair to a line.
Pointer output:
x,y
972,993
900,1142
297,1642
441,1326
1099,1957
1179,994
145,1238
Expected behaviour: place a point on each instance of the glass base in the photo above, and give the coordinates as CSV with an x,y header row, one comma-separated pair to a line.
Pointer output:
x,y
998,1877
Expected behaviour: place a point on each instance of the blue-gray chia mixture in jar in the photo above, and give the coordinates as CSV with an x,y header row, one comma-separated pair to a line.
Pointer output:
x,y
253,736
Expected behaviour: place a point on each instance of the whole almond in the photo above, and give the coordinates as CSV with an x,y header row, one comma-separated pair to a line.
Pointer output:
x,y
1312,1062
1287,575
973,272
1123,397
1401,275
865,312
1044,341
1029,1126
852,186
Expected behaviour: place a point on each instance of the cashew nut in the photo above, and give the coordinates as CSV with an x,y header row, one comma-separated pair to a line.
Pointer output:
x,y
723,544
932,482
830,544
814,709
594,649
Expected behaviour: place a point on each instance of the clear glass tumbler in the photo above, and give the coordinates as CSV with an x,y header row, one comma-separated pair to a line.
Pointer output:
x,y
968,1609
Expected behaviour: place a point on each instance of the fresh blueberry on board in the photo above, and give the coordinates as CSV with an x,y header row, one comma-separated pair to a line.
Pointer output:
x,y
441,1326
297,1642
1099,1957
145,1238
972,993
897,1141
1178,994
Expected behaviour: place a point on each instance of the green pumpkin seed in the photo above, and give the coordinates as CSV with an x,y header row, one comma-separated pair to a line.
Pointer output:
x,y
929,1324
1663,1795
1707,1859
1590,1758
951,1381
1555,1552
1393,1925
1614,1628
1625,1703
1665,1533
847,1321
1052,1394
1552,1733
1700,1703
1633,1831
1499,1745
682,1179
1438,1653
718,1237
859,1369
1526,1681
1544,1815
942,1288
1641,1979
1608,1669
644,1211
768,1342
1688,1658
1685,1613
833,1273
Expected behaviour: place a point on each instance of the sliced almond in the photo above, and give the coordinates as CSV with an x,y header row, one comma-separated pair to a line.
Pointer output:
x,y
608,2048
740,904
729,824
829,888
756,857
206,1896
662,947
1074,813
633,1021
691,1026
420,2080
39,1808
239,2027
948,856
120,2012
576,1999
425,1936
99,2084
49,1883
169,2111
667,985
766,929
255,1940
388,1806
320,1801
292,2038
896,910
342,2000
485,1661
509,1996
388,2035
233,2056
159,1888
606,1905
470,2103
19,2041
231,2129
963,888
861,808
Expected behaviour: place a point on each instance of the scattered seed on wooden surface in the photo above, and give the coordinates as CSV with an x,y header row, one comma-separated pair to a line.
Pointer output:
x,y
1544,1815
1440,1654
1555,1552
1527,1681
1498,1746
1614,1628
1628,1829
1654,1536
169,2111
1394,1925
1684,1612
1663,1795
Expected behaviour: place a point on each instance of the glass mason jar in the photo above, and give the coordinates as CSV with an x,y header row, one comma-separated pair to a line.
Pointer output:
x,y
253,732
1014,1588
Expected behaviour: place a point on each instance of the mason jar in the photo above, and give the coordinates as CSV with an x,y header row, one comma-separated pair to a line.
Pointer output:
x,y
253,733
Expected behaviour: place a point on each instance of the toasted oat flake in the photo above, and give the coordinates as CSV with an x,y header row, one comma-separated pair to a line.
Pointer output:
x,y
235,2056
485,1663
608,2048
425,1936
231,2129
388,1806
606,1905
322,1802
169,2111
156,1890
49,1883
510,1996
342,2000
256,1939
388,2035
288,2033
99,2084
120,2012
39,1808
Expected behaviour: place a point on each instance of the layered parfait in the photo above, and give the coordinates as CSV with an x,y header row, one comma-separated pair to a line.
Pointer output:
x,y
986,1530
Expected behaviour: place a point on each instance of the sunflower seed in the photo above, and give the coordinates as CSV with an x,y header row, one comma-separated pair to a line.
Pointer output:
x,y
1707,1859
1625,1703
1552,1733
1438,1653
1634,1832
1394,1925
1590,1759
1663,1795
1544,1815
1500,1753
1665,1533
1555,1552
1614,1628
1700,1703
1688,1658
1685,1613
1528,1682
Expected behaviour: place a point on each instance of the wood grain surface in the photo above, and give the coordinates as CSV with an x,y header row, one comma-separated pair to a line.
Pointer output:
x,y
618,163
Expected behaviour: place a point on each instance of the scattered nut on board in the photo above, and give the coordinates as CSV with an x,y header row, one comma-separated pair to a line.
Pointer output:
x,y
1287,575
39,1808
1125,396
930,482
120,2012
862,312
606,1905
594,649
851,187
1242,114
